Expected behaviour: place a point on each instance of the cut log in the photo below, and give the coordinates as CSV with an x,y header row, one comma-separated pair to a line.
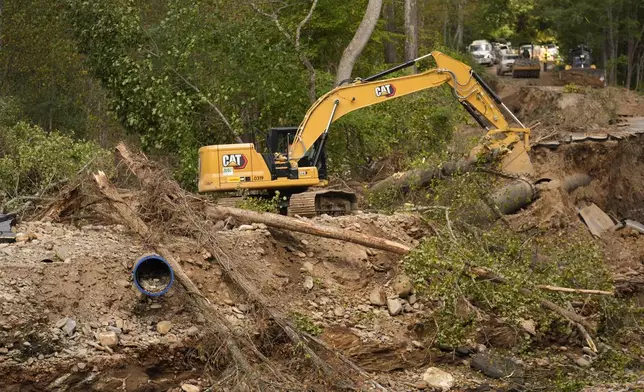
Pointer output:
x,y
293,224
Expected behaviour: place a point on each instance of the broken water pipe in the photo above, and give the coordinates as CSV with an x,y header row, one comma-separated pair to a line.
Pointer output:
x,y
152,275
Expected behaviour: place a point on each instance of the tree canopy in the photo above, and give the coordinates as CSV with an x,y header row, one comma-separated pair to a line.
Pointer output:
x,y
179,74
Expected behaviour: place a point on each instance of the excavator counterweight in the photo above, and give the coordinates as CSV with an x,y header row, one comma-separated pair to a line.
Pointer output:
x,y
296,158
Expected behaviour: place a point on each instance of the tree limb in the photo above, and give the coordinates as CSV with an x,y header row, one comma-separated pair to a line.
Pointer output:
x,y
576,291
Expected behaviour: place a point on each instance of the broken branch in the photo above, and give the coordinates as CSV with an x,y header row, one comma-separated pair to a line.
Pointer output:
x,y
576,291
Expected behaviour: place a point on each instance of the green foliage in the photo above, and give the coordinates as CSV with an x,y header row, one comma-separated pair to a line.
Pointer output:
x,y
441,270
571,88
304,323
261,204
33,161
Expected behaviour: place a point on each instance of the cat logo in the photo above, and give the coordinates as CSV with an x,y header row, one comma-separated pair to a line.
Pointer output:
x,y
388,90
238,161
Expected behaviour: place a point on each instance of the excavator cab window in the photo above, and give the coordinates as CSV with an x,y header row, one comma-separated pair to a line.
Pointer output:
x,y
279,139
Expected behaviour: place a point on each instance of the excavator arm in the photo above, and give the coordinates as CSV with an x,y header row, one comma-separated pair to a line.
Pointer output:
x,y
470,90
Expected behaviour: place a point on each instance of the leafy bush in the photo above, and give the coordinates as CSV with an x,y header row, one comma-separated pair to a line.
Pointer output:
x,y
441,270
33,161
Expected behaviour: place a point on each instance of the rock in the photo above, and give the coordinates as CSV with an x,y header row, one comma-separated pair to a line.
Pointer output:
x,y
108,339
115,329
243,308
62,253
246,227
480,348
192,331
438,379
219,226
61,323
69,327
582,362
307,266
155,306
371,252
163,327
528,326
421,385
301,254
497,367
394,306
463,351
123,283
338,311
190,388
588,351
417,344
81,365
364,308
304,242
541,362
402,285
308,282
4,350
412,299
171,338
377,297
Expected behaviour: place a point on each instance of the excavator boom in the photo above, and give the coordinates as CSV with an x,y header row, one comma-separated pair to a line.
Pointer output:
x,y
470,90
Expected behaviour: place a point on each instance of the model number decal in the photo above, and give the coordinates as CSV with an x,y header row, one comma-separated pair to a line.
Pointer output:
x,y
258,178
387,90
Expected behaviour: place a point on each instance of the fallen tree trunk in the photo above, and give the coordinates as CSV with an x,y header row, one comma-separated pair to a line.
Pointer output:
x,y
288,223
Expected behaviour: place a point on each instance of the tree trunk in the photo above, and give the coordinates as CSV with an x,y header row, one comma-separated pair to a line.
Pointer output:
x,y
288,223
445,28
629,66
458,37
359,41
411,31
640,71
391,55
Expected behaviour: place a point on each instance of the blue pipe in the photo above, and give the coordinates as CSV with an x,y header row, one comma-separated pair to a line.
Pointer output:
x,y
156,266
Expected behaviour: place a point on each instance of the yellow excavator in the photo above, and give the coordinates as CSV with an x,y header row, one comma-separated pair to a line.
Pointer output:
x,y
296,160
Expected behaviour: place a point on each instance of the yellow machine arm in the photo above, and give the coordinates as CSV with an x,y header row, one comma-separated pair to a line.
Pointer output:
x,y
470,90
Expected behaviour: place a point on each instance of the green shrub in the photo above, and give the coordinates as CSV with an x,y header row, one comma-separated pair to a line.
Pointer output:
x,y
33,162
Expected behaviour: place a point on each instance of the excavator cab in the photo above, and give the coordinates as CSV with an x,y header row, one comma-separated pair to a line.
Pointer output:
x,y
278,141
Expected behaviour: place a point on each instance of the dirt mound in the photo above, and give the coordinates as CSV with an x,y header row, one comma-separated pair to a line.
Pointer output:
x,y
616,169
567,111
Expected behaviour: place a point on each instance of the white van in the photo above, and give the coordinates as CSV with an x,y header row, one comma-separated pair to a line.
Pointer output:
x,y
481,51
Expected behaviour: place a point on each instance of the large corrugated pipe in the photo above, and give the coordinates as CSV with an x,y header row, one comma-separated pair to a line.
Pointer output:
x,y
152,275
517,195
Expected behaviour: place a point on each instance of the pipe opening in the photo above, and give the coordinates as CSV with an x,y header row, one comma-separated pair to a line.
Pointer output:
x,y
152,275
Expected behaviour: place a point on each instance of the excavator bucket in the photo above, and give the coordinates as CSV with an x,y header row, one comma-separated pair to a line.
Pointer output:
x,y
517,161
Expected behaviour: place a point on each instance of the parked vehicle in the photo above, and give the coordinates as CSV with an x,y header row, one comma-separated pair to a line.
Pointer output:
x,y
500,51
506,63
481,51
552,50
